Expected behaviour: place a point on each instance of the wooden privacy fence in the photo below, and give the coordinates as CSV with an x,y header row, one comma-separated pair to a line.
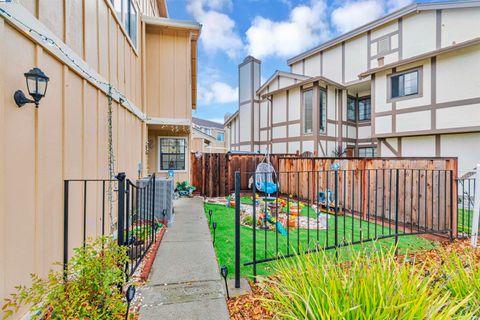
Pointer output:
x,y
420,191
424,189
213,174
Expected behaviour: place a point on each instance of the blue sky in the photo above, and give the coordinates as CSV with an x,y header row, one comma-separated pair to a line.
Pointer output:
x,y
271,30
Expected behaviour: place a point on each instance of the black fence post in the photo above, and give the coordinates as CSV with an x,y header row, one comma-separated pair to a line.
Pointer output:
x,y
396,208
452,205
336,211
65,223
153,231
237,229
121,208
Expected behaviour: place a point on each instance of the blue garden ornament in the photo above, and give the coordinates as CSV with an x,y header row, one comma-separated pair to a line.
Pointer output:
x,y
265,177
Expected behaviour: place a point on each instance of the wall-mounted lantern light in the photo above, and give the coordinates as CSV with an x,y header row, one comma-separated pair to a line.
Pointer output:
x,y
37,87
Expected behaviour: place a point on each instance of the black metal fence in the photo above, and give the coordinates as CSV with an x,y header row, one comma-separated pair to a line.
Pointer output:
x,y
466,202
116,207
322,210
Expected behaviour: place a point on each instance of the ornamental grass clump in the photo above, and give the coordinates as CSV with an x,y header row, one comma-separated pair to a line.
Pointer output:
x,y
89,289
366,285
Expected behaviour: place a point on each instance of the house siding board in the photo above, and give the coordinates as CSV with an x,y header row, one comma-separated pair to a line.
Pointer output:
x,y
66,137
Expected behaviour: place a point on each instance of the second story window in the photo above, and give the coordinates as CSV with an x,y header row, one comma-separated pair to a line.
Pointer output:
x,y
351,112
220,136
405,84
127,14
307,111
364,109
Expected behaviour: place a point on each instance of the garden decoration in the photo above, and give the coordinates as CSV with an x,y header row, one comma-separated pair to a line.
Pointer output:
x,y
210,212
264,177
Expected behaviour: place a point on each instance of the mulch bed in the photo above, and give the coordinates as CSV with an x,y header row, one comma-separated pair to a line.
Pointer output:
x,y
249,307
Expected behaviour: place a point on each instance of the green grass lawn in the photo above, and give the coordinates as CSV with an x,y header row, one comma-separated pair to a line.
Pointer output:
x,y
266,241
464,222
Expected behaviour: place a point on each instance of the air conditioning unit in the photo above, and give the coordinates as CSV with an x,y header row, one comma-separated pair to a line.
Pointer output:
x,y
164,188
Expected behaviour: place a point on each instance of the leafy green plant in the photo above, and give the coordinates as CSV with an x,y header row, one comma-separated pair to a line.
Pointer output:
x,y
248,220
185,186
88,289
366,286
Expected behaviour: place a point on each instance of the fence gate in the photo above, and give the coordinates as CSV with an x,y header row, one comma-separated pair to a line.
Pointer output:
x,y
308,211
125,211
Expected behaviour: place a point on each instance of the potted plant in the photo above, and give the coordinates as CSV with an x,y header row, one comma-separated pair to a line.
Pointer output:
x,y
184,189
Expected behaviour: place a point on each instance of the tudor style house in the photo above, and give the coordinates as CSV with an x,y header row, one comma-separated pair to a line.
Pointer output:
x,y
407,84
121,89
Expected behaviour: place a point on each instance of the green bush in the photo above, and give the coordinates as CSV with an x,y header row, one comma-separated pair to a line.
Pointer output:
x,y
90,289
368,286
248,220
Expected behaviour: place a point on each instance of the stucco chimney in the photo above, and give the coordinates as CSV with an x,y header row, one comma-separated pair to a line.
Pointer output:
x,y
248,84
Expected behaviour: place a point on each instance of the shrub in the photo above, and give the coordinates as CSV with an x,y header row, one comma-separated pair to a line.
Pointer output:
x,y
89,289
248,220
369,286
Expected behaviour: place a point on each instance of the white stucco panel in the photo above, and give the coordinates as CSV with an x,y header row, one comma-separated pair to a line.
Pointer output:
x,y
423,146
413,121
464,146
294,130
279,107
331,105
312,65
332,63
456,117
419,33
381,103
294,104
279,132
364,132
383,124
293,147
307,146
297,67
356,56
279,147
460,25
458,74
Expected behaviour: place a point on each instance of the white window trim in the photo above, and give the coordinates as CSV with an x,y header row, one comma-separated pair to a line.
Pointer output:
x,y
187,153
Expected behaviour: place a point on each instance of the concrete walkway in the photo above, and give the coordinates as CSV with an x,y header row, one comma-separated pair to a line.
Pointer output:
x,y
185,282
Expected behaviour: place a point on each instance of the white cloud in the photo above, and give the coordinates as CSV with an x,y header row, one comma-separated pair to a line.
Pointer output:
x,y
353,14
305,27
218,31
356,13
217,92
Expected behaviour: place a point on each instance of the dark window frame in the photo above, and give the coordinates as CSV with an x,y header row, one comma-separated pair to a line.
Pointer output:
x,y
309,90
165,164
418,94
369,113
355,108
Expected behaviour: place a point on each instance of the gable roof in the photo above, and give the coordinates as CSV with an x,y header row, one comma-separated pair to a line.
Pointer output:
x,y
415,7
279,73
207,123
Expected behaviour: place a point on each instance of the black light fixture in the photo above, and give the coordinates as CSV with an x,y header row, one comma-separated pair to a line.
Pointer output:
x,y
214,228
130,294
37,83
224,273
210,212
